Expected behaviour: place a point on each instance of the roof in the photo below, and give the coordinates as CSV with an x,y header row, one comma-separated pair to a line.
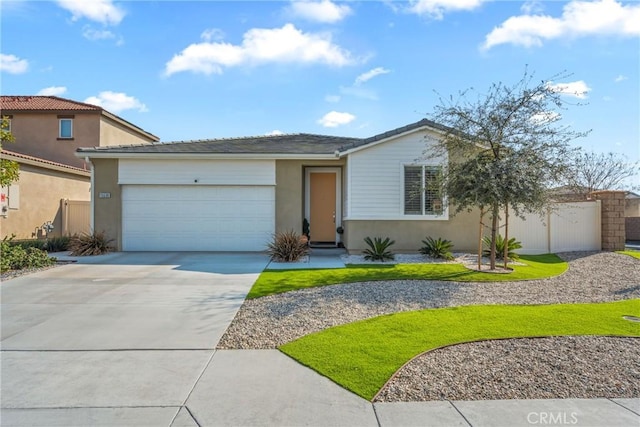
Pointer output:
x,y
287,144
45,104
36,161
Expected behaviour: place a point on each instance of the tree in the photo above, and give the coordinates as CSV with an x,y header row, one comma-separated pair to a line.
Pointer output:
x,y
504,149
9,170
591,171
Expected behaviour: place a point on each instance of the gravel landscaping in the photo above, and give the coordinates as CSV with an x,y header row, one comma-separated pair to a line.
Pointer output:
x,y
268,322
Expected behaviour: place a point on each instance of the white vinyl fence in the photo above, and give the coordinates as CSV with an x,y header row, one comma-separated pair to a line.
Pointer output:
x,y
567,227
76,216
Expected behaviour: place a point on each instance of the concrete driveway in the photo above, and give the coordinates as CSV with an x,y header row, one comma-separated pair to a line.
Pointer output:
x,y
119,339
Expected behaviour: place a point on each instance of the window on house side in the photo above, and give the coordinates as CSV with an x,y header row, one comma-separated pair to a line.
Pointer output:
x,y
421,195
66,128
6,124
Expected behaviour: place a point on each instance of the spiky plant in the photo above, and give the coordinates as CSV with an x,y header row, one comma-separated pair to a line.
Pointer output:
x,y
378,249
437,248
512,245
287,246
90,244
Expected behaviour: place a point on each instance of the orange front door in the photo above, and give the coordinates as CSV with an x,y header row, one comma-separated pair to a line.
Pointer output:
x,y
322,201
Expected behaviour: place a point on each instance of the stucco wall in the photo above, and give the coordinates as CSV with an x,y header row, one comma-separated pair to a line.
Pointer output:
x,y
37,135
290,191
114,133
40,191
632,208
461,229
107,212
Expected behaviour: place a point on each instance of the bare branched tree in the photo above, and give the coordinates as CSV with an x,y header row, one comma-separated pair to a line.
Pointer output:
x,y
592,171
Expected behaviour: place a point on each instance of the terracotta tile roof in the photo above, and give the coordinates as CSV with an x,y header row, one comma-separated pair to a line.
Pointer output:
x,y
299,143
43,103
19,156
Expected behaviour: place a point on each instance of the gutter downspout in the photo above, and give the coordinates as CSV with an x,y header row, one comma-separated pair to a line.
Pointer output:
x,y
92,194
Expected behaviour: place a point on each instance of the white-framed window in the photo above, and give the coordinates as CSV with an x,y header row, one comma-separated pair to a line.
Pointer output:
x,y
66,128
422,195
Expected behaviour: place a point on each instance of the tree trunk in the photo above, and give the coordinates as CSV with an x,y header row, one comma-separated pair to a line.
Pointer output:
x,y
506,235
480,239
495,210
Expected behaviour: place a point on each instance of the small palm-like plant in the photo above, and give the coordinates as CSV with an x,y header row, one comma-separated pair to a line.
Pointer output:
x,y
287,246
378,249
512,245
437,248
90,244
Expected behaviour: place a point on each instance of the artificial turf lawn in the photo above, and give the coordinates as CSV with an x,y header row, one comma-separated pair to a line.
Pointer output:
x,y
362,356
635,254
278,281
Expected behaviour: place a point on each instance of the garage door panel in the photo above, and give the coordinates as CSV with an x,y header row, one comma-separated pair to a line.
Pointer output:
x,y
197,218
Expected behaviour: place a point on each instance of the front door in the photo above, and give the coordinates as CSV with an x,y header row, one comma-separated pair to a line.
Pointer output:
x,y
322,206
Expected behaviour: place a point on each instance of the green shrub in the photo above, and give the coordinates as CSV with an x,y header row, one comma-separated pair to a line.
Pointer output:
x,y
57,244
29,243
512,245
437,248
90,244
15,257
287,246
378,249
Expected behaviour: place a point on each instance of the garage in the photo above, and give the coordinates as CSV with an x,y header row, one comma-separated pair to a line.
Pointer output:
x,y
226,205
197,218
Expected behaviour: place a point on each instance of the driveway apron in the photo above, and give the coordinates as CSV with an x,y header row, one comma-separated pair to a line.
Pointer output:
x,y
116,339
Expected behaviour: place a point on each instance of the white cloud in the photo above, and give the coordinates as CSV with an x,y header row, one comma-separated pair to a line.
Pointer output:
x,y
531,7
620,78
320,11
285,45
579,19
546,117
274,132
334,119
577,89
212,34
52,91
332,98
93,34
437,8
103,11
370,74
116,102
359,92
12,64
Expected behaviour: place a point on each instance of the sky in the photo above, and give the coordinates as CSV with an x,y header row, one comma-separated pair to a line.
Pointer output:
x,y
187,70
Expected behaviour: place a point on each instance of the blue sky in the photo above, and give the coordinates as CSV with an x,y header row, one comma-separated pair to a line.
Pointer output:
x,y
207,69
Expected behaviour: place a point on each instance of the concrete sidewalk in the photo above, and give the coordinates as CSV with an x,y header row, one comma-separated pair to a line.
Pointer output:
x,y
129,340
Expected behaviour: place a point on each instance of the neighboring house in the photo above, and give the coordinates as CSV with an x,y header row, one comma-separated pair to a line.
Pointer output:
x,y
632,205
34,202
47,131
233,194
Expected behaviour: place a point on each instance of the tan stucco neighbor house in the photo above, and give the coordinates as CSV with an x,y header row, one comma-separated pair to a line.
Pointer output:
x,y
233,194
47,131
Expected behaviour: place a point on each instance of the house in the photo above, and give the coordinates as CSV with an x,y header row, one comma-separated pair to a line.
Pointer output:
x,y
47,131
233,194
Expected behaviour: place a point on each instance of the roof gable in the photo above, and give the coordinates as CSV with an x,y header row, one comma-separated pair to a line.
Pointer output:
x,y
44,103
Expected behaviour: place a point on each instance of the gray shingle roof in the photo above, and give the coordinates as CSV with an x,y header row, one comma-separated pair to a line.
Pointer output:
x,y
300,143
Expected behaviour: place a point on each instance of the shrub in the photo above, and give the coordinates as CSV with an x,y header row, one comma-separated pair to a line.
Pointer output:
x,y
512,245
90,244
29,243
437,248
15,257
287,246
378,249
57,244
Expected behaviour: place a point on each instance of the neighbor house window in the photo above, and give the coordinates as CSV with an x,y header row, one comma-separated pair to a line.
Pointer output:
x,y
6,123
66,128
422,194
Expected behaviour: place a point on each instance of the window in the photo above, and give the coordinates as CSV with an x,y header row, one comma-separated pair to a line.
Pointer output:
x,y
66,129
6,123
421,193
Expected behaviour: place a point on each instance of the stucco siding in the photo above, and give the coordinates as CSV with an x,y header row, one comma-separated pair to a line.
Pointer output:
x,y
201,172
290,191
37,135
461,229
107,211
40,192
114,133
376,176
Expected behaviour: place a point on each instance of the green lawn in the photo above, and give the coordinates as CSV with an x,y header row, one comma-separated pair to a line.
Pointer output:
x,y
362,356
630,252
278,281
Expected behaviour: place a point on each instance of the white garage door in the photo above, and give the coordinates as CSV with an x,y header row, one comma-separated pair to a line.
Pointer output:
x,y
197,218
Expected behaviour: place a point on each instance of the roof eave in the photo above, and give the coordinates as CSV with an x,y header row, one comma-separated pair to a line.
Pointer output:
x,y
383,140
207,156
